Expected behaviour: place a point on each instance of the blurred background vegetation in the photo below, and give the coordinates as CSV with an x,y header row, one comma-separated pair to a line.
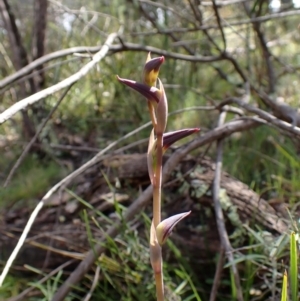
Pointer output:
x,y
213,49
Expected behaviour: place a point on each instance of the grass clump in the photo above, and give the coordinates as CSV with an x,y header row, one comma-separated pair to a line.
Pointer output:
x,y
30,182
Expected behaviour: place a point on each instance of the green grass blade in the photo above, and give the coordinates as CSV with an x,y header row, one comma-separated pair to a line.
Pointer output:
x,y
233,287
284,287
293,267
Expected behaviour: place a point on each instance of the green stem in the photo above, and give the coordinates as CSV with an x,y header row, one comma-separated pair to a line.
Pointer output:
x,y
157,182
159,281
157,211
156,263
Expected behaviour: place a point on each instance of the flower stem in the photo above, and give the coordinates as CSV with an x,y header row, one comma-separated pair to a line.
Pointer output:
x,y
159,286
157,182
157,211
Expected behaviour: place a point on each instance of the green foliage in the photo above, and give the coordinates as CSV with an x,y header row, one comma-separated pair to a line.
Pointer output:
x,y
267,165
49,288
290,288
12,286
263,158
30,182
293,267
284,292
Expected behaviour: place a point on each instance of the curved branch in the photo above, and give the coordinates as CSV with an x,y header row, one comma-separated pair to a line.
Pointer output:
x,y
283,125
45,59
24,103
113,49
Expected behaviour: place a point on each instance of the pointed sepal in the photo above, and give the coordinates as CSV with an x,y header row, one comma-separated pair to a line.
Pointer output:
x,y
172,137
151,93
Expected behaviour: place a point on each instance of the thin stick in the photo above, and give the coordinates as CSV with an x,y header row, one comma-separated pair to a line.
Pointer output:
x,y
125,46
94,284
219,213
218,275
33,140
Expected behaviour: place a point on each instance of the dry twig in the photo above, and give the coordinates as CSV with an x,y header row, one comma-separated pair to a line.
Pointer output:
x,y
218,275
94,284
219,213
33,140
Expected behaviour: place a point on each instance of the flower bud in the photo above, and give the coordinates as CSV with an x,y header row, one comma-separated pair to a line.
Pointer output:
x,y
155,251
151,70
164,228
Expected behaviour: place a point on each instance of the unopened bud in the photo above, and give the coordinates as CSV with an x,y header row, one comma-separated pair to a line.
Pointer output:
x,y
164,228
151,70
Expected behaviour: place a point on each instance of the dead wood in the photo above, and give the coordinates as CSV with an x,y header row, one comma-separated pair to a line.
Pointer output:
x,y
59,232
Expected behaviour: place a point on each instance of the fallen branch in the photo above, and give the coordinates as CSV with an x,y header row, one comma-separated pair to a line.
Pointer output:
x,y
63,182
